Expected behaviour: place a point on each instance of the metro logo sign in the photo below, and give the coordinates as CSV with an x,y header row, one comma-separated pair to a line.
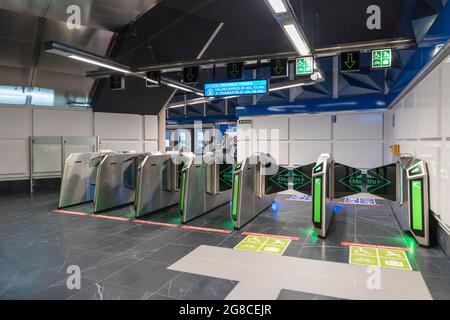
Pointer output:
x,y
375,182
353,181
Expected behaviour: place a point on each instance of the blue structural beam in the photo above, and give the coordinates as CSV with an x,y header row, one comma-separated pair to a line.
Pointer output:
x,y
438,34
367,102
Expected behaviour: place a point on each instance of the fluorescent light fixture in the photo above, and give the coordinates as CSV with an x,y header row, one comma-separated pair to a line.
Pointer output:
x,y
173,85
297,40
277,6
188,102
178,87
287,86
90,61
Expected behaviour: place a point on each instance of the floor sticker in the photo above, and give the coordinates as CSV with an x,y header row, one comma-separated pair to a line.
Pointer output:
x,y
361,201
386,258
302,198
263,244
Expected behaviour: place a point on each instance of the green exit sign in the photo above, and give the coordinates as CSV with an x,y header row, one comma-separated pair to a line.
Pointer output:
x,y
304,66
381,58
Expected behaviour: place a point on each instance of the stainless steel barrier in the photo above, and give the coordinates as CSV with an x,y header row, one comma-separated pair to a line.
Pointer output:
x,y
200,188
79,178
323,194
249,190
116,181
157,183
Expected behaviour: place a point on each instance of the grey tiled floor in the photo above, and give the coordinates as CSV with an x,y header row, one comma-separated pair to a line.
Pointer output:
x,y
123,260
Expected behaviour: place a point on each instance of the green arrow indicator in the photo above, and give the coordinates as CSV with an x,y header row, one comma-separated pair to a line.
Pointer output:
x,y
234,71
190,75
278,67
350,63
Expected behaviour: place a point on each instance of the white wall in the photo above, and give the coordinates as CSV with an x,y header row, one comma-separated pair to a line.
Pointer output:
x,y
355,139
422,128
124,132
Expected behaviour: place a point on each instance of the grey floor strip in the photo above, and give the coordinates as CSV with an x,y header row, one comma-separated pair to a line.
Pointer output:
x,y
253,291
274,273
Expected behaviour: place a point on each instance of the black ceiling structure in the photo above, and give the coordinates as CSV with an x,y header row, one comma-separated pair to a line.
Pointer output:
x,y
178,30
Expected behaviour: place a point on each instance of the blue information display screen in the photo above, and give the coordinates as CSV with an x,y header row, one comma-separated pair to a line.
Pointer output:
x,y
236,88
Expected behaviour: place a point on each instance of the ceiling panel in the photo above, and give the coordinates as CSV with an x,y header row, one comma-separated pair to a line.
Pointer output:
x,y
63,82
32,7
11,76
16,54
14,25
105,14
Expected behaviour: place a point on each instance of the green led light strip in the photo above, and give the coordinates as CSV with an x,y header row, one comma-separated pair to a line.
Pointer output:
x,y
234,203
317,200
417,205
183,188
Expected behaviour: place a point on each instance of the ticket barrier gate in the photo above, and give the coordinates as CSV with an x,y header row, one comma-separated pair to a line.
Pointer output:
x,y
322,194
158,182
414,203
201,187
250,197
79,178
116,181
405,183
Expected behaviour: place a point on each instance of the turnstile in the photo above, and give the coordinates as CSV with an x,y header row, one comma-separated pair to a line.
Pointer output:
x,y
116,181
79,178
322,194
158,183
250,196
201,187
418,201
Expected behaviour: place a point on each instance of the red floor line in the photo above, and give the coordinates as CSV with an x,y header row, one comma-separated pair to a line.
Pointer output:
x,y
207,229
71,212
171,225
269,235
351,244
109,217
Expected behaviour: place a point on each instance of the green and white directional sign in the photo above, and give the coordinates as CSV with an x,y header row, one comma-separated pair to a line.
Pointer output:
x,y
263,244
304,66
381,58
378,257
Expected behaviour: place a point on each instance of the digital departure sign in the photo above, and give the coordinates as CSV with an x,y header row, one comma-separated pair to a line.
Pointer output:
x,y
236,88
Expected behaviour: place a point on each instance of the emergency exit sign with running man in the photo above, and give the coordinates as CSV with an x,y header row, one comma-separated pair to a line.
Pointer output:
x,y
381,58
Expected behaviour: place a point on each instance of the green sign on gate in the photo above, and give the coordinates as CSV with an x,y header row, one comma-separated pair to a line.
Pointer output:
x,y
353,181
278,182
226,176
375,182
304,66
299,179
381,58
